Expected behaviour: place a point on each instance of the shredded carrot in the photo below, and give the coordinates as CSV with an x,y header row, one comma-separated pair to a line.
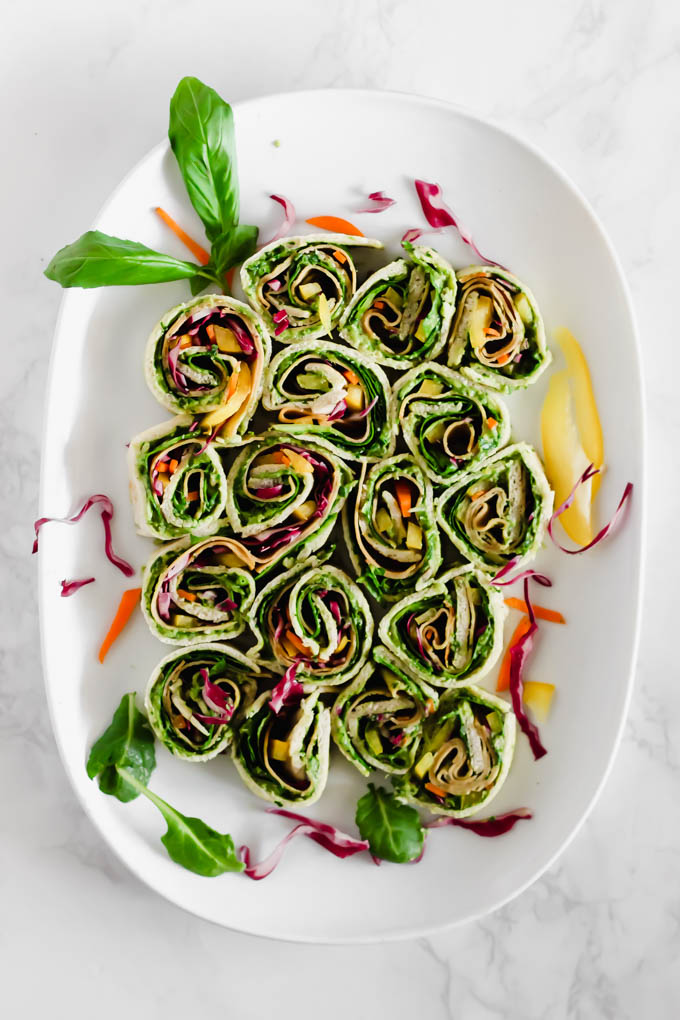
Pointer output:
x,y
378,304
129,600
429,706
340,256
188,595
540,611
402,491
210,330
491,423
503,682
336,224
233,383
192,495
435,790
297,643
503,359
279,457
351,377
478,494
195,249
162,466
172,467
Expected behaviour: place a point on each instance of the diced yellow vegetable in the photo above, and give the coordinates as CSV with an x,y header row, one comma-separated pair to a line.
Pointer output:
x,y
430,388
435,432
383,521
278,750
299,463
229,559
355,398
585,408
304,511
226,340
423,765
480,319
524,308
373,740
179,620
324,312
308,290
221,414
420,332
394,297
344,640
414,536
565,459
538,697
390,678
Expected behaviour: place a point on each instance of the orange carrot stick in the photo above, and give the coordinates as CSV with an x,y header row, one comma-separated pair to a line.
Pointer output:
x,y
522,627
128,601
195,249
351,376
402,491
540,611
435,790
336,224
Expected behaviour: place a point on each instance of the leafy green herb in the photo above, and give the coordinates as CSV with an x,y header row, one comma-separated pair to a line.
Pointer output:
x,y
99,260
393,830
189,841
128,743
231,248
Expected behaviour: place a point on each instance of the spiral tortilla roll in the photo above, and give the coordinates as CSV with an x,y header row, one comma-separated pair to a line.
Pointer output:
x,y
497,336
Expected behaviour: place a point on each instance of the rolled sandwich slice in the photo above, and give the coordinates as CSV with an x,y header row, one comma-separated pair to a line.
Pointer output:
x,y
207,357
282,756
402,314
391,530
301,285
196,697
377,721
198,591
328,392
497,336
499,511
284,498
315,619
449,633
448,424
465,754
178,485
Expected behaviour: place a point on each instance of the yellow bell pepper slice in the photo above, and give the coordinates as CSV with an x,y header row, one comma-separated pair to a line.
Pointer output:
x,y
565,459
538,697
585,408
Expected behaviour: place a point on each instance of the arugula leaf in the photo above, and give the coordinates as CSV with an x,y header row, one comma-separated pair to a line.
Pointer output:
x,y
189,841
99,260
233,247
129,743
394,830
201,134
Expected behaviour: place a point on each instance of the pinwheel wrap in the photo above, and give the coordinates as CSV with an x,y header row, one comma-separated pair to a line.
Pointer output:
x,y
449,633
377,720
208,357
198,591
448,424
177,482
334,394
196,697
391,530
402,314
499,511
283,756
315,618
301,285
497,336
465,754
284,498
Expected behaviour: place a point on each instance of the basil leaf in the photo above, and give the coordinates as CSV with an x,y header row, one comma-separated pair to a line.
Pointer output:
x,y
128,742
233,247
394,830
189,841
201,134
98,260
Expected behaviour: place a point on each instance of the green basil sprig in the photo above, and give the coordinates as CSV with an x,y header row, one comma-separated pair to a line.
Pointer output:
x,y
201,134
123,759
393,830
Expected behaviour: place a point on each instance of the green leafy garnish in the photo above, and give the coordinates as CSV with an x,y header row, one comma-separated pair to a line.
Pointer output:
x,y
128,744
394,830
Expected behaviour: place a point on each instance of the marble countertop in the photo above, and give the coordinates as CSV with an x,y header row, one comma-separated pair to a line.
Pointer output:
x,y
596,85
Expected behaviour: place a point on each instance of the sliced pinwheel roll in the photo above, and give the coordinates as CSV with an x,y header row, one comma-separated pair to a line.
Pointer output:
x,y
282,755
377,721
335,394
391,530
177,482
301,285
208,357
284,497
450,632
499,511
497,336
313,617
401,315
198,591
465,754
196,695
448,424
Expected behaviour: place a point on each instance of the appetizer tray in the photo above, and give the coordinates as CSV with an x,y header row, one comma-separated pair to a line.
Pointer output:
x,y
326,151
